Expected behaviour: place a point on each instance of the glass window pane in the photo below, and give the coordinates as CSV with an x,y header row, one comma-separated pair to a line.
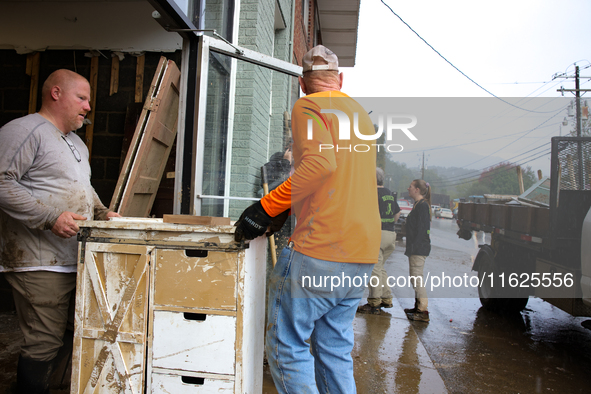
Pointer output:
x,y
216,15
216,133
247,126
183,6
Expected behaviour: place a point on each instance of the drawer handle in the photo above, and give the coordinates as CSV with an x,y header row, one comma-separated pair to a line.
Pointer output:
x,y
193,380
196,252
194,316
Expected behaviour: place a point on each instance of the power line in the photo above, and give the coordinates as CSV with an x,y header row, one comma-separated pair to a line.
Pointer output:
x,y
498,150
466,176
474,142
471,178
493,117
494,138
438,53
509,167
526,133
518,83
451,64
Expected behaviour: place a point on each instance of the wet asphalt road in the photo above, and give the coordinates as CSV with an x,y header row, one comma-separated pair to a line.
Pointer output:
x,y
465,348
541,350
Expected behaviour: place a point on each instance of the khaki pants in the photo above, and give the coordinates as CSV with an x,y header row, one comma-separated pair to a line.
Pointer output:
x,y
45,305
416,266
381,292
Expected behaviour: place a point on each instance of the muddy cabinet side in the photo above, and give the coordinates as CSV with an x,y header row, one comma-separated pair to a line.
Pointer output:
x,y
178,311
110,321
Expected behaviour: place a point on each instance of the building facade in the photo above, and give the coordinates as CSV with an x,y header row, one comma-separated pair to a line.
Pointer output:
x,y
239,62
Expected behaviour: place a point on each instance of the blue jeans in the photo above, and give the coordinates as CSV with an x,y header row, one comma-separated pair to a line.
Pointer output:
x,y
322,311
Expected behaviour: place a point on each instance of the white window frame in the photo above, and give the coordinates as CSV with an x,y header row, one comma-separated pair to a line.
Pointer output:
x,y
207,44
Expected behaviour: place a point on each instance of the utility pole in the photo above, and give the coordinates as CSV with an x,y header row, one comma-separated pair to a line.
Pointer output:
x,y
423,167
578,101
577,90
520,180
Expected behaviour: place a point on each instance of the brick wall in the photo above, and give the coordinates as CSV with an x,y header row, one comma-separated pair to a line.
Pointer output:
x,y
303,38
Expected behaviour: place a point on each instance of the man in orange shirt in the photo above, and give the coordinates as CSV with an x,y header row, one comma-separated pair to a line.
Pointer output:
x,y
319,279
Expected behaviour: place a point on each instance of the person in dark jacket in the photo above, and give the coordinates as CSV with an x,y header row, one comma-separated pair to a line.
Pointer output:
x,y
278,169
418,246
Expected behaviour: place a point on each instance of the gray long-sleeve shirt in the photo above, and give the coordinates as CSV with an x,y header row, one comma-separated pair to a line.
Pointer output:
x,y
41,177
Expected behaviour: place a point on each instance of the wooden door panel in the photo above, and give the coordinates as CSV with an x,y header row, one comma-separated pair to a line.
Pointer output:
x,y
163,135
136,138
111,312
146,159
145,185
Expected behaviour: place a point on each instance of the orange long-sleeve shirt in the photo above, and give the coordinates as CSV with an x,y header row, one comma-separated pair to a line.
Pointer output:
x,y
333,191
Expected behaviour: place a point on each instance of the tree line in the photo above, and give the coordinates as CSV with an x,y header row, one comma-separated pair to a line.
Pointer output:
x,y
453,181
459,182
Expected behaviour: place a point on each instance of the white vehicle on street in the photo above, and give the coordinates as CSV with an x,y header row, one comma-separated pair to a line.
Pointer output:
x,y
405,207
399,227
444,213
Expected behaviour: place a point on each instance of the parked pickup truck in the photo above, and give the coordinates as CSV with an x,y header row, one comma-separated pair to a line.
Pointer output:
x,y
541,244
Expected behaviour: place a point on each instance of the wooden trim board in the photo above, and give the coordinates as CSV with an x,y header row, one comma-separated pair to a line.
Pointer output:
x,y
202,220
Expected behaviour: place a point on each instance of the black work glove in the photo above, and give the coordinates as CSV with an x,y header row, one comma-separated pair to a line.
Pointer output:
x,y
252,223
277,222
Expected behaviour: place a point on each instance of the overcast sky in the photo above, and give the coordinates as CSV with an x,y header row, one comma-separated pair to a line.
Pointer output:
x,y
511,48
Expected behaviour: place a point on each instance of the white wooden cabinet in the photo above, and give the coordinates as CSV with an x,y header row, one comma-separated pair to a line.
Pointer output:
x,y
168,308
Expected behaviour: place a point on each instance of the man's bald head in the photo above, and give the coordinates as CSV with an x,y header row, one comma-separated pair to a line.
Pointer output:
x,y
65,100
63,78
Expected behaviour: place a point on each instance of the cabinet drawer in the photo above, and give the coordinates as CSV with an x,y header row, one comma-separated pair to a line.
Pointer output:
x,y
166,384
201,279
194,342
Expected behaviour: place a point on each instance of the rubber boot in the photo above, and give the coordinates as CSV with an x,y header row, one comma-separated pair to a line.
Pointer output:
x,y
32,377
62,369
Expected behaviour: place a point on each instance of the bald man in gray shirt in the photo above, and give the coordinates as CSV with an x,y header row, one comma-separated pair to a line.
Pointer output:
x,y
44,188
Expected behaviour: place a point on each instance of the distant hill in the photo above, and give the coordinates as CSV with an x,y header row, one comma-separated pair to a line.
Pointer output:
x,y
444,179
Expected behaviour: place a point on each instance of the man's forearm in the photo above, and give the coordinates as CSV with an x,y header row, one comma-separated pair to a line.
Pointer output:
x,y
18,203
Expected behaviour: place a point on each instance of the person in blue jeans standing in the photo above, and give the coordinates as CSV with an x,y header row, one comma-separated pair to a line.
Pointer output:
x,y
320,276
